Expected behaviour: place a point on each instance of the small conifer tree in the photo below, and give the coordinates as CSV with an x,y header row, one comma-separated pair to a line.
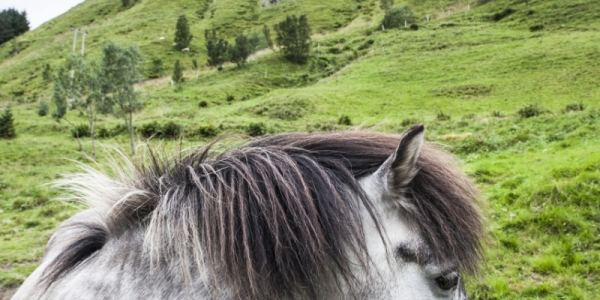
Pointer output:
x,y
216,48
7,126
239,52
267,33
293,37
177,72
183,37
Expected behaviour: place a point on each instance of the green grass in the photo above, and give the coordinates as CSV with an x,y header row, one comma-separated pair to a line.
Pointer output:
x,y
468,78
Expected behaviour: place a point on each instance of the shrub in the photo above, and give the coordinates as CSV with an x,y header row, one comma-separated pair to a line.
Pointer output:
x,y
441,116
530,110
239,52
207,130
396,17
203,104
183,37
293,37
256,129
171,130
538,27
230,98
43,108
103,133
150,130
7,126
409,122
156,69
344,120
177,73
414,27
497,114
503,14
81,131
575,107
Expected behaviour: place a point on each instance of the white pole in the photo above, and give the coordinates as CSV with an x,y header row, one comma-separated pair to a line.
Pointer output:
x,y
75,31
83,34
405,23
427,18
382,28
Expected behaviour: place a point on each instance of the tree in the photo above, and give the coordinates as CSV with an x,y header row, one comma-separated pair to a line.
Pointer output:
x,y
183,37
216,48
156,70
386,4
63,84
120,69
267,33
395,17
293,37
239,52
47,73
12,24
177,73
7,126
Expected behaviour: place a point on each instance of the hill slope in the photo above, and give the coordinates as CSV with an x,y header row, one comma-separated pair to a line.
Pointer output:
x,y
469,74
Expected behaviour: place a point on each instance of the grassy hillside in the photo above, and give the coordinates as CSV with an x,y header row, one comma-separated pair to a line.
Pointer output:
x,y
511,87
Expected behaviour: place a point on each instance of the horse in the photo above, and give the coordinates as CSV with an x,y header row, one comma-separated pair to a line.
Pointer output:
x,y
338,215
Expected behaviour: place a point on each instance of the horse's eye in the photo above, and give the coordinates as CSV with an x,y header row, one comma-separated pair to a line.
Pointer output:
x,y
447,281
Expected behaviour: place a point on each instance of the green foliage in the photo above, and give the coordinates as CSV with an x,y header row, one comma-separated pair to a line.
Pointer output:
x,y
503,14
267,34
293,37
128,3
80,131
216,48
183,36
203,104
239,52
441,116
530,110
344,120
396,16
386,4
177,73
7,126
256,129
151,130
579,106
43,108
171,130
47,72
156,69
207,131
12,24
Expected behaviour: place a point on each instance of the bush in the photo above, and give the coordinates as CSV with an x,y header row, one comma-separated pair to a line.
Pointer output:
x,y
441,116
81,131
207,130
344,120
293,37
230,98
103,133
497,114
150,130
409,122
43,108
7,126
156,70
171,130
575,107
203,104
503,14
414,27
538,27
530,110
256,129
177,73
396,17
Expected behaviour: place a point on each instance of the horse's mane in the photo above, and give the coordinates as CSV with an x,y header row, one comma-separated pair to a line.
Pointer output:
x,y
278,217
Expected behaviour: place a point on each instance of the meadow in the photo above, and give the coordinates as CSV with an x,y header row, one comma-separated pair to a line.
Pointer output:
x,y
513,94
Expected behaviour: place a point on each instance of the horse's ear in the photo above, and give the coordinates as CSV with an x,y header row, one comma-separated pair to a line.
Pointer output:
x,y
403,162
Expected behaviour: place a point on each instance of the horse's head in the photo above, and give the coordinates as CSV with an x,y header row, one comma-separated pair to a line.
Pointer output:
x,y
316,216
430,224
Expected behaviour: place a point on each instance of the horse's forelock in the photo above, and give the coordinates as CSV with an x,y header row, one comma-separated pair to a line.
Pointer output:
x,y
278,217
